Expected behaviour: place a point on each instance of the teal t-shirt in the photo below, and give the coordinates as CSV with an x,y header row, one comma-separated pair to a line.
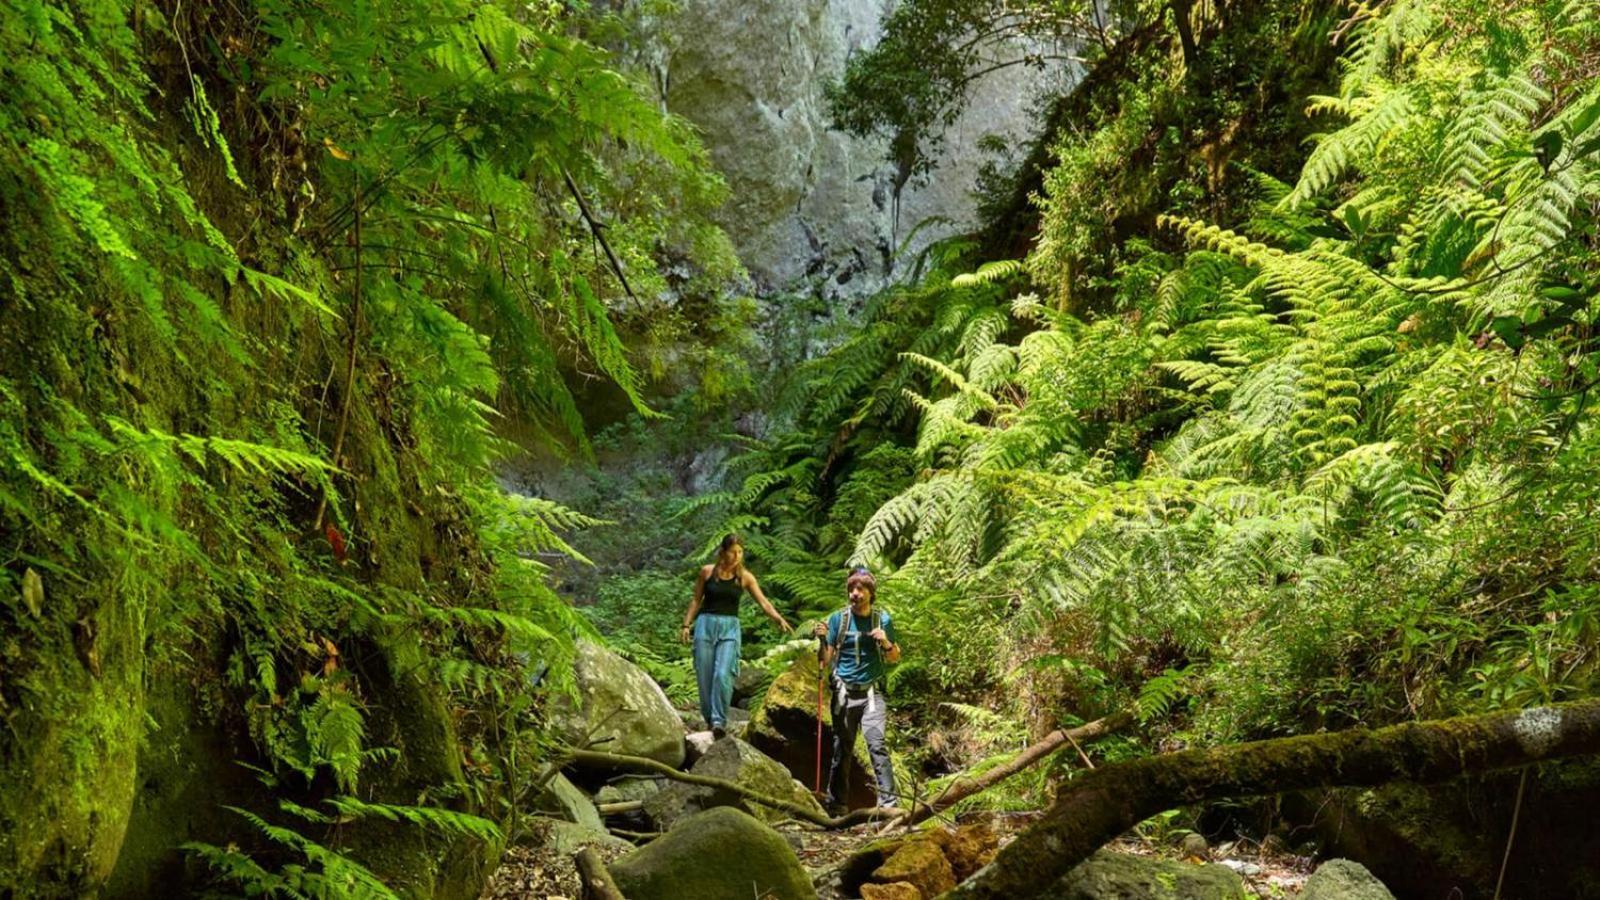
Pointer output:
x,y
859,661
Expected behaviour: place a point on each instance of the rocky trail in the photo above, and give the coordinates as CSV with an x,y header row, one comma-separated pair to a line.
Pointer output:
x,y
663,838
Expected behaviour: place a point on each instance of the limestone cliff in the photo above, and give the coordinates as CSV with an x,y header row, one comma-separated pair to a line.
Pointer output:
x,y
813,207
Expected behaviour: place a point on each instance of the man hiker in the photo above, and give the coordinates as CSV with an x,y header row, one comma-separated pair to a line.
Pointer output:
x,y
859,643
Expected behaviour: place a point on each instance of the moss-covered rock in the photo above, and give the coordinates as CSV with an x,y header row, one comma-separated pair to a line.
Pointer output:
x,y
899,890
784,727
188,768
415,720
1121,876
1341,879
69,751
721,852
736,761
568,838
921,863
621,709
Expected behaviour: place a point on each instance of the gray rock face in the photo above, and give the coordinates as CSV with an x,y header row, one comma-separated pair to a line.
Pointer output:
x,y
562,799
718,853
749,683
810,204
734,760
1120,876
1342,879
621,709
568,838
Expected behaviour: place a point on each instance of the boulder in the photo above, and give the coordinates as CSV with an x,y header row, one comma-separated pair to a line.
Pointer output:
x,y
1194,846
921,863
899,890
628,788
696,744
968,847
1120,876
1341,879
785,728
621,709
736,761
749,684
562,799
721,852
567,838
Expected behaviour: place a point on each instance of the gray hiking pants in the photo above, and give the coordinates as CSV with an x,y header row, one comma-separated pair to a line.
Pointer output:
x,y
867,714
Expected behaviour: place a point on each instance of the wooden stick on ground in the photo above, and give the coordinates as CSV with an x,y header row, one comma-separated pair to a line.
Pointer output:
x,y
597,881
621,806
964,787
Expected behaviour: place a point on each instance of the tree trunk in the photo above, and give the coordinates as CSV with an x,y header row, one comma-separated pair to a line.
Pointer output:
x,y
1180,16
1095,808
964,787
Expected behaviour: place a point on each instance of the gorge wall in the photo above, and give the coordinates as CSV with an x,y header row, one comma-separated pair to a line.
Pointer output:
x,y
816,210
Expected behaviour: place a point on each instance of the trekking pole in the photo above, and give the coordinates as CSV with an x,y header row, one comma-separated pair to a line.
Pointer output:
x,y
822,647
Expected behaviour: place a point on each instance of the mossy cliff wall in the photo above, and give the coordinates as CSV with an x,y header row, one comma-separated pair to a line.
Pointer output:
x,y
163,594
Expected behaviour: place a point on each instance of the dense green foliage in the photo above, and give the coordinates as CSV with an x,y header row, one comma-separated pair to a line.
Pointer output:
x,y
1254,436
1319,444
271,273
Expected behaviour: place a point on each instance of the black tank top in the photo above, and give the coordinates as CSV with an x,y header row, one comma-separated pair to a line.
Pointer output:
x,y
720,597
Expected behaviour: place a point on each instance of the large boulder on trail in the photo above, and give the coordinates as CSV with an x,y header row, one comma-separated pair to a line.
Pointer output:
x,y
721,852
921,864
785,728
1341,879
1108,875
620,710
733,760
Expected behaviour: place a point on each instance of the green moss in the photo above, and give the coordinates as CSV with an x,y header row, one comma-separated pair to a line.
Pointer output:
x,y
70,759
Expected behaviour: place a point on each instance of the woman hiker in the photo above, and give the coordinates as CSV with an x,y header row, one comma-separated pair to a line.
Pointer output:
x,y
713,617
860,646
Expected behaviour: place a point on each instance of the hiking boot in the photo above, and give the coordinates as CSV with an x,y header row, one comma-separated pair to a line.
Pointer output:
x,y
718,732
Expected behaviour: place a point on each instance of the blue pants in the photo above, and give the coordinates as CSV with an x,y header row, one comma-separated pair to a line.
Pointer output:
x,y
716,661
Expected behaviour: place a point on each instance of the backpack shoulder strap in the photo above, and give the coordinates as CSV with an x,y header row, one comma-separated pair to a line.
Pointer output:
x,y
838,634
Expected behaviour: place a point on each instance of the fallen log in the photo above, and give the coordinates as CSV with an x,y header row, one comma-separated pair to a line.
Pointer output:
x,y
963,787
1098,806
597,881
641,763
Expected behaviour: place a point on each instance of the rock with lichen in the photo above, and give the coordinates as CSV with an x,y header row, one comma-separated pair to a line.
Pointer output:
x,y
1122,876
1342,879
721,852
621,709
921,863
732,760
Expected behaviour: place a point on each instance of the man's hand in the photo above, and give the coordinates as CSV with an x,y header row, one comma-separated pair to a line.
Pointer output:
x,y
878,635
